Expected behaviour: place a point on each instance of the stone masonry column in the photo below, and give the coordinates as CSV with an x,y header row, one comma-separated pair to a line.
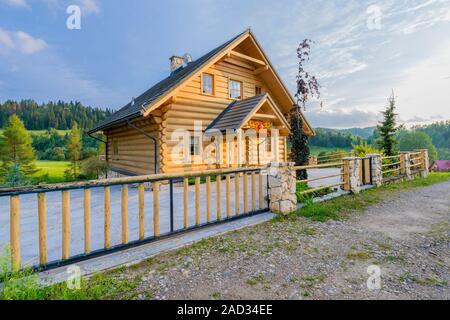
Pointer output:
x,y
377,169
405,165
350,171
282,187
424,170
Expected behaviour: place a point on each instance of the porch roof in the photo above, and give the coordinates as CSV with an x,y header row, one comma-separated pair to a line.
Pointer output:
x,y
237,114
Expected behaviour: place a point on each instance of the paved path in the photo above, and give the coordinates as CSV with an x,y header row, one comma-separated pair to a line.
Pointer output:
x,y
29,216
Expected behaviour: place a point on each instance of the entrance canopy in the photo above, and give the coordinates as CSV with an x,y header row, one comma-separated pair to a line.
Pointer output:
x,y
251,112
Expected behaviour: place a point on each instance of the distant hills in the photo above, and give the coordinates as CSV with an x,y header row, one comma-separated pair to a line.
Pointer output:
x,y
364,133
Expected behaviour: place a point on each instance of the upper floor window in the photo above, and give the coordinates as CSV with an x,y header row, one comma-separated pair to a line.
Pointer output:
x,y
207,83
258,90
235,89
195,146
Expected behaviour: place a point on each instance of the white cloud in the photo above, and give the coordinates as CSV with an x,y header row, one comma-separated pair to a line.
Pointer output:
x,y
16,3
343,118
89,6
20,41
5,40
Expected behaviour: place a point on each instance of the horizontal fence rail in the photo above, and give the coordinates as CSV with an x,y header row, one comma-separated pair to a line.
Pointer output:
x,y
123,212
329,180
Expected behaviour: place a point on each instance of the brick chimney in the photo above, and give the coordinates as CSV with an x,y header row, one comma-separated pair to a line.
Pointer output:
x,y
175,63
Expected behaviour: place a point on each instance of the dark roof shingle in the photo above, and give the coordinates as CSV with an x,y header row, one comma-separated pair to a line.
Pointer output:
x,y
234,115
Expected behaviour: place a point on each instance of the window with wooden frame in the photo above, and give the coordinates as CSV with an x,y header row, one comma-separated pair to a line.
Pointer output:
x,y
115,148
235,89
207,84
195,146
258,90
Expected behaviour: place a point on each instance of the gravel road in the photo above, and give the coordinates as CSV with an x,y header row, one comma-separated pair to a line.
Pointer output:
x,y
407,236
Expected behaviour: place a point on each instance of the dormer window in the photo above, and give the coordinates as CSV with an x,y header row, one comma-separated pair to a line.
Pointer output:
x,y
258,90
235,89
207,83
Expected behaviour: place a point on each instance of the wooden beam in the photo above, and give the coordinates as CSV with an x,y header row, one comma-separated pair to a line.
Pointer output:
x,y
87,220
65,225
218,197
186,202
156,224
264,116
15,233
141,190
260,70
124,214
239,63
197,201
42,213
107,213
248,58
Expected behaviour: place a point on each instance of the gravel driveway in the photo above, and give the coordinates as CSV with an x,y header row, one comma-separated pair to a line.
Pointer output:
x,y
407,237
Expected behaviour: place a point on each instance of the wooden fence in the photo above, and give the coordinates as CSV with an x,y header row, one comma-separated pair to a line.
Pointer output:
x,y
395,167
249,189
341,177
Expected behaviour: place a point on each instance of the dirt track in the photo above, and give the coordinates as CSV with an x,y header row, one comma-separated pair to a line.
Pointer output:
x,y
406,236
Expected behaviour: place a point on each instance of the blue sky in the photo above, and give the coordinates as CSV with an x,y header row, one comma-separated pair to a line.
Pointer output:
x,y
362,50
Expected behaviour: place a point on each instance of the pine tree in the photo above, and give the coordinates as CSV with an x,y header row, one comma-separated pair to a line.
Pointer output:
x,y
307,87
74,147
16,149
388,129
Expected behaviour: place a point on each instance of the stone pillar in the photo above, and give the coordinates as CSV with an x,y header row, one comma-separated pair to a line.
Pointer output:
x,y
424,169
405,165
377,169
351,170
282,187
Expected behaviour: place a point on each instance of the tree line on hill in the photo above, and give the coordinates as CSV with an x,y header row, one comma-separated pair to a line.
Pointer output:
x,y
20,148
59,115
435,137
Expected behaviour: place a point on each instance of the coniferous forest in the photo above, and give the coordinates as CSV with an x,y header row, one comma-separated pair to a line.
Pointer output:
x,y
58,115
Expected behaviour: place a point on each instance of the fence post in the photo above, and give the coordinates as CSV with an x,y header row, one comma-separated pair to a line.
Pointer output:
x,y
351,170
282,187
424,169
376,169
405,165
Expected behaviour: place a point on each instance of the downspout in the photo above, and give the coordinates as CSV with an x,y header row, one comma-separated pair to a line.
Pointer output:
x,y
155,142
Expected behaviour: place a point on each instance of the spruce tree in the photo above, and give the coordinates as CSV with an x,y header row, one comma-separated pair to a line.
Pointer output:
x,y
16,152
74,147
307,87
388,129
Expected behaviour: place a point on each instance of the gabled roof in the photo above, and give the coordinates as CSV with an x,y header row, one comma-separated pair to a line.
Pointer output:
x,y
134,110
237,114
160,92
442,164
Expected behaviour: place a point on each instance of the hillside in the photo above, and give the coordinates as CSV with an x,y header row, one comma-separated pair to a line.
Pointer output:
x,y
59,115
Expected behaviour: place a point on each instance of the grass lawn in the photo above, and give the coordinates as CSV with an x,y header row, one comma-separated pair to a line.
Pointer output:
x,y
341,207
54,169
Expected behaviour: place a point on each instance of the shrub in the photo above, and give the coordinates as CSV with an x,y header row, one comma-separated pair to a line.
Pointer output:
x,y
364,149
93,167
